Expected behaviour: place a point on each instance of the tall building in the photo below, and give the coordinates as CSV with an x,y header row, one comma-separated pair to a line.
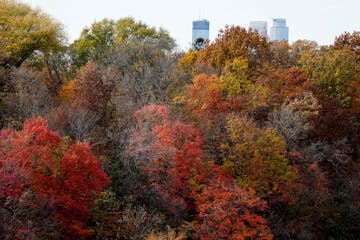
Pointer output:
x,y
260,26
200,30
279,31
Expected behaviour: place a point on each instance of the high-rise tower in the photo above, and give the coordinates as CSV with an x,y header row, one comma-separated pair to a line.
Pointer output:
x,y
260,26
200,30
279,31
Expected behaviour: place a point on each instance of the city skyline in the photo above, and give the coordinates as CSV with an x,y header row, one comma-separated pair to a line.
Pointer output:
x,y
321,22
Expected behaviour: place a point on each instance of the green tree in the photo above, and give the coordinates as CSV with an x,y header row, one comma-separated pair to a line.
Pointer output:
x,y
332,71
97,41
24,30
128,28
100,35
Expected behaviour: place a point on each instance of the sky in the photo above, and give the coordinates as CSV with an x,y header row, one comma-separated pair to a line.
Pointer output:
x,y
318,20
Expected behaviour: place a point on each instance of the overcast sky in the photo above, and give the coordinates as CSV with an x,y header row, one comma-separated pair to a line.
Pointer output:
x,y
319,20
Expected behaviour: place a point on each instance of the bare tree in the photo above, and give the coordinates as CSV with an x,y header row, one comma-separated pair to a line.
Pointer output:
x,y
31,94
291,120
81,122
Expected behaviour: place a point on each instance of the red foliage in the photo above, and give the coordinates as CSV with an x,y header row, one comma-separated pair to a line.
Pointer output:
x,y
229,212
334,122
169,152
36,165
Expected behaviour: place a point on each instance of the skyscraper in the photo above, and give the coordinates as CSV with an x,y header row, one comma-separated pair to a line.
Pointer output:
x,y
200,30
260,26
279,31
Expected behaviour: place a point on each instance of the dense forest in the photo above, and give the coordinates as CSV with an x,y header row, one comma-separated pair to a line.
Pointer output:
x,y
119,136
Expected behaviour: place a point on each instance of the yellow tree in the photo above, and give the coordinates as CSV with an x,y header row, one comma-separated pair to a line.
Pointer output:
x,y
234,80
24,30
256,157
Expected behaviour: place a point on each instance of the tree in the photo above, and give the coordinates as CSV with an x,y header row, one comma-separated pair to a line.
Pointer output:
x,y
332,71
101,38
348,41
199,44
66,93
137,222
170,154
47,184
204,97
31,95
292,120
81,121
234,79
187,61
209,99
256,157
280,54
231,212
129,29
94,39
93,86
236,42
299,47
170,234
280,85
24,30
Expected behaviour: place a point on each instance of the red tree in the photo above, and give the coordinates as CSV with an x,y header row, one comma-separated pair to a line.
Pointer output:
x,y
46,183
230,212
169,152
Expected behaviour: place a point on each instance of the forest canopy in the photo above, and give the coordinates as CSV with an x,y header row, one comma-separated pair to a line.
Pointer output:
x,y
118,135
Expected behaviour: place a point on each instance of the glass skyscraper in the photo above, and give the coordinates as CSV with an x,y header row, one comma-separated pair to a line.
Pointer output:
x,y
260,26
200,30
279,31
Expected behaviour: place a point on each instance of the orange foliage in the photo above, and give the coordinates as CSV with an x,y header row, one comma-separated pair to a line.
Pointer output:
x,y
205,99
228,212
286,83
349,41
67,91
233,42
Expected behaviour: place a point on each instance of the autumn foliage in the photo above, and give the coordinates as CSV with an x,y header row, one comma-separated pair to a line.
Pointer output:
x,y
235,41
169,152
229,212
44,175
238,138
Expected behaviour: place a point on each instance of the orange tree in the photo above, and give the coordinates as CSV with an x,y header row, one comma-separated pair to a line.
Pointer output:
x,y
236,42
